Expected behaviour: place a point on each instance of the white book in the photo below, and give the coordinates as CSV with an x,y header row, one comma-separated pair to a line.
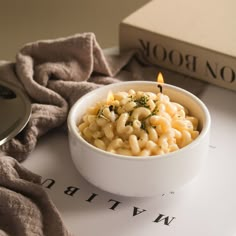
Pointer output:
x,y
196,38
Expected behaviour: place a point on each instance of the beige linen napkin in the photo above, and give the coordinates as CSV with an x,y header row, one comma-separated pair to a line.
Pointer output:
x,y
25,208
55,73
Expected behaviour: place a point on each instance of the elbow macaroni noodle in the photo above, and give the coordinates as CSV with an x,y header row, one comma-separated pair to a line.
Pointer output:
x,y
138,124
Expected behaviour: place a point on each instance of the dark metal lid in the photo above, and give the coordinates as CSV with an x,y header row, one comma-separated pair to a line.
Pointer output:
x,y
15,111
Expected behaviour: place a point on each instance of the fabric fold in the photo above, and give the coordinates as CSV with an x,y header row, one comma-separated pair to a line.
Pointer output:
x,y
25,208
54,74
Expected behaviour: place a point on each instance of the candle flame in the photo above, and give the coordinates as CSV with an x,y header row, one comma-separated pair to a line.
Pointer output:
x,y
110,97
160,78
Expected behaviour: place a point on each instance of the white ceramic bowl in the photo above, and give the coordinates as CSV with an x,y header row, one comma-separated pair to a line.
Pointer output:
x,y
139,176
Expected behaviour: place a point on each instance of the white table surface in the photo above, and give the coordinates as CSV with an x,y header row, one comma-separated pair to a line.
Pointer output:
x,y
205,207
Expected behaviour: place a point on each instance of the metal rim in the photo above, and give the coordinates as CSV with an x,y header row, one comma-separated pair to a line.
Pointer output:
x,y
16,126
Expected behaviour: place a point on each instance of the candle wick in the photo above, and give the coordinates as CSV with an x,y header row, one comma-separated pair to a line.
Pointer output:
x,y
160,87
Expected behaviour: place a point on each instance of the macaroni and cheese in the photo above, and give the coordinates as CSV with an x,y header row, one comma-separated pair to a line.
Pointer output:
x,y
137,123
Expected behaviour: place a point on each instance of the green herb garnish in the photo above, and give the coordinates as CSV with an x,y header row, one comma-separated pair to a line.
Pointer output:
x,y
155,111
143,126
142,102
129,122
111,108
100,112
101,115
